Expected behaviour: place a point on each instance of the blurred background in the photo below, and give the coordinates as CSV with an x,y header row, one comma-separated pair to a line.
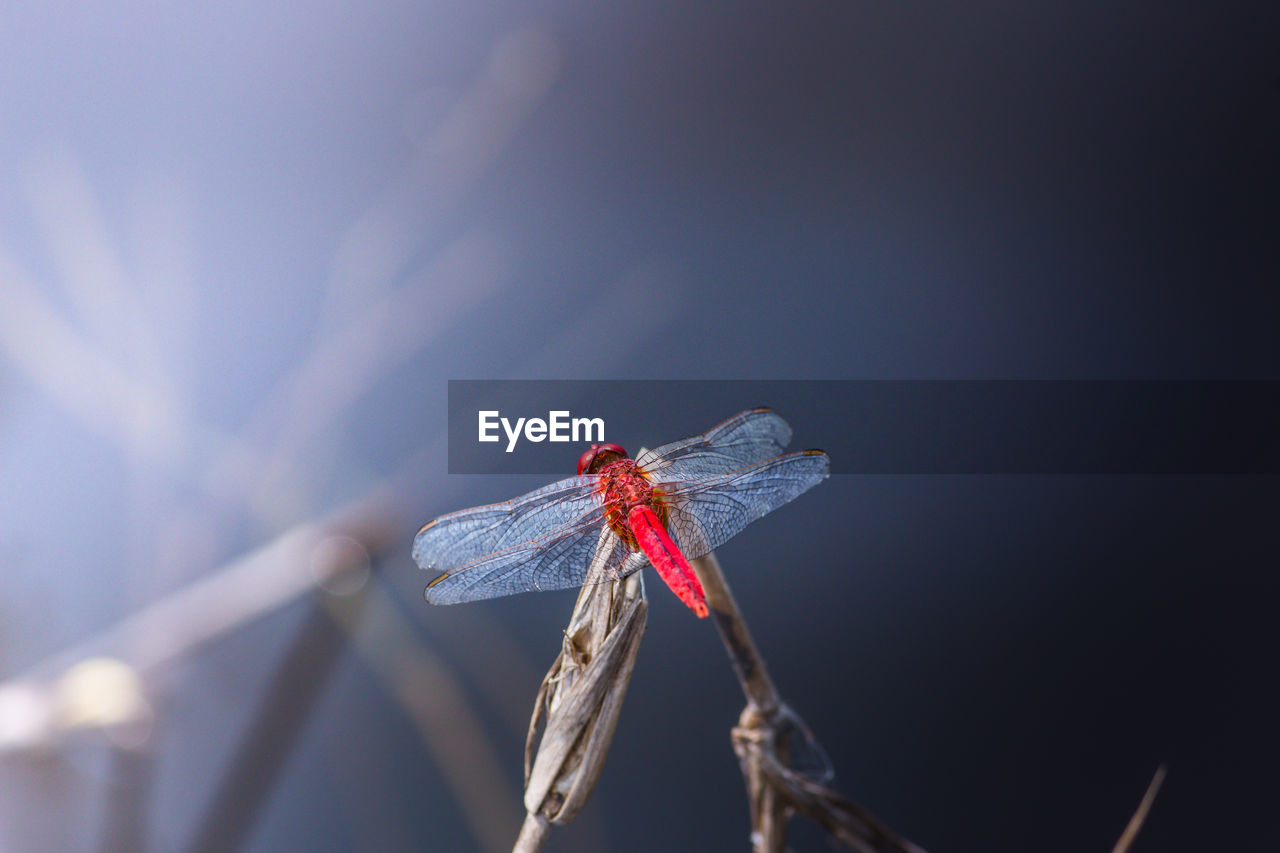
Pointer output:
x,y
243,247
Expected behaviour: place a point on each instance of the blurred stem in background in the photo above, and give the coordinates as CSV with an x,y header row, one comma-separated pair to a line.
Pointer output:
x,y
426,688
298,684
106,684
128,795
1140,815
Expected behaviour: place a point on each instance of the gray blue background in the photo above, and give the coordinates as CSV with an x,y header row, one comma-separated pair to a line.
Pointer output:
x,y
244,247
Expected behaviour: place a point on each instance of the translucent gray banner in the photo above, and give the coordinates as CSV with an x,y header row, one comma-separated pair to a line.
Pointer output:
x,y
886,427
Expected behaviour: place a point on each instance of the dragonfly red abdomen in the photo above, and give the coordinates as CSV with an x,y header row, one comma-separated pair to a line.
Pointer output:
x,y
667,559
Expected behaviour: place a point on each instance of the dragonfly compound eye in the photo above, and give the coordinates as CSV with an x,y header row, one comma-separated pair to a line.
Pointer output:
x,y
599,455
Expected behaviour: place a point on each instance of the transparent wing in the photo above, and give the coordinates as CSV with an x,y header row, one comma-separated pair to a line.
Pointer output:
x,y
569,557
458,538
745,439
706,513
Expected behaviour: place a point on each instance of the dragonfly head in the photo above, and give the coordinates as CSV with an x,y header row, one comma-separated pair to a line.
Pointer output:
x,y
599,455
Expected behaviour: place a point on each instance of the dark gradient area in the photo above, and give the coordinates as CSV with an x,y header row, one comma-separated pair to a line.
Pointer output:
x,y
845,191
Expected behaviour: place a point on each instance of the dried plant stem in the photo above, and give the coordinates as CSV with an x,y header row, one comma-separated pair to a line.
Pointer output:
x,y
762,740
747,662
533,834
768,810
577,708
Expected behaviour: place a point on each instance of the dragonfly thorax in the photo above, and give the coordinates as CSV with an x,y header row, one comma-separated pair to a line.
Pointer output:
x,y
622,486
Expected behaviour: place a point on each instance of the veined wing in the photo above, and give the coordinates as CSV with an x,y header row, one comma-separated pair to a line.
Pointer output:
x,y
460,537
587,552
706,513
745,439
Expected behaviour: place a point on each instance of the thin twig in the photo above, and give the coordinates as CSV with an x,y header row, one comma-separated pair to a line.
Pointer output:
x,y
1139,817
763,740
534,833
747,662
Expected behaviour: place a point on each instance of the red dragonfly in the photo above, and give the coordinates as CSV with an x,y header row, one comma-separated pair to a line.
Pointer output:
x,y
667,506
